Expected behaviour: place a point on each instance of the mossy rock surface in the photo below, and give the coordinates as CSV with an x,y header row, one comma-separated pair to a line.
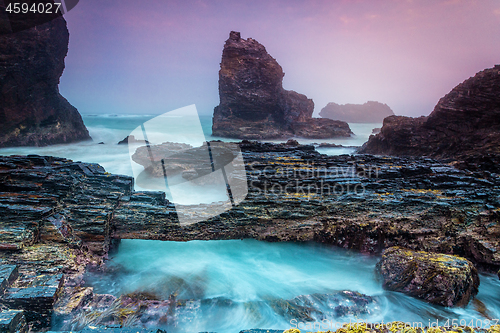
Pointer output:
x,y
442,279
400,327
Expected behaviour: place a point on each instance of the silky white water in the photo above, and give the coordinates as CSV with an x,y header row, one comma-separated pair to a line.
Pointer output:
x,y
110,129
246,277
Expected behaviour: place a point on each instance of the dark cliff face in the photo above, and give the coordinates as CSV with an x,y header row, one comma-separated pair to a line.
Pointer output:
x,y
369,112
464,125
253,103
32,112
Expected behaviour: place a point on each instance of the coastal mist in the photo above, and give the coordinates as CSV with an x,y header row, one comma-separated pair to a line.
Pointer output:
x,y
109,129
231,285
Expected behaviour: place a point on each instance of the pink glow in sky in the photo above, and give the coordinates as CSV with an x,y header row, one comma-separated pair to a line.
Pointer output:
x,y
153,56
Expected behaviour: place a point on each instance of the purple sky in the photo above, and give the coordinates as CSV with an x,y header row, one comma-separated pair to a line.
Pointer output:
x,y
153,56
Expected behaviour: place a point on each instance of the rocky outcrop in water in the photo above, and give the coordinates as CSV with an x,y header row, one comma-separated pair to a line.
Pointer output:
x,y
32,111
437,278
464,126
369,112
60,216
398,326
253,103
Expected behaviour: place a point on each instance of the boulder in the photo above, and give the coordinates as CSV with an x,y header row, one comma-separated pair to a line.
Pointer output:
x,y
442,279
180,158
32,111
465,126
369,112
254,105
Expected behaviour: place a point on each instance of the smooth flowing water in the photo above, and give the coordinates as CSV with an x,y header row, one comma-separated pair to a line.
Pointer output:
x,y
241,284
234,285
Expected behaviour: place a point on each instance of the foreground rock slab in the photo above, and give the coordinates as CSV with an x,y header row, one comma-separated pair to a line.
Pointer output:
x,y
395,326
12,321
437,278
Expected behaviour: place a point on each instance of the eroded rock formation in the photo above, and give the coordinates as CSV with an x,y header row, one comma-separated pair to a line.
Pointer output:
x,y
59,216
32,111
465,126
437,278
369,112
253,103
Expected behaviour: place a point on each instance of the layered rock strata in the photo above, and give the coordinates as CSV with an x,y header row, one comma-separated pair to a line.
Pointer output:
x,y
253,103
32,111
369,112
464,126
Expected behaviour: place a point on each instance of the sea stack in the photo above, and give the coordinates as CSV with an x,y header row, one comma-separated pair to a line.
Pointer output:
x,y
465,126
369,112
32,111
253,103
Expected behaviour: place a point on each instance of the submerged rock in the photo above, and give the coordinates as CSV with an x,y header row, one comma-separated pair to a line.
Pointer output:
x,y
441,279
465,126
253,103
369,112
132,139
32,111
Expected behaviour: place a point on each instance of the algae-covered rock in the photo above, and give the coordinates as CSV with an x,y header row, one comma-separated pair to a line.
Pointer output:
x,y
394,327
369,112
442,279
463,126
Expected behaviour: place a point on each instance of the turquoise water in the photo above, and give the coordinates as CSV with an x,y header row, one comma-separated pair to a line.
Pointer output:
x,y
250,274
246,277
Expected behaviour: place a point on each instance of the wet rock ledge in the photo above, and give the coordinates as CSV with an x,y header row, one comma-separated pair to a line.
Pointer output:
x,y
61,217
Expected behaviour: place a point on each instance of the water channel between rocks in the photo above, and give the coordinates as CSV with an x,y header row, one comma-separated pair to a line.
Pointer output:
x,y
225,286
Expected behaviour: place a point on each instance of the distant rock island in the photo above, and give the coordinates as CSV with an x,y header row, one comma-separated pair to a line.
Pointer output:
x,y
32,111
465,125
370,112
253,103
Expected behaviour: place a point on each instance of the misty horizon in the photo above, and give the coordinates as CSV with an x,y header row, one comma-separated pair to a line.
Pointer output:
x,y
150,57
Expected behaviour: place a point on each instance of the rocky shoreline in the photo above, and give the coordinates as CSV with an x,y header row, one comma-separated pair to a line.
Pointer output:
x,y
369,112
62,217
464,126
